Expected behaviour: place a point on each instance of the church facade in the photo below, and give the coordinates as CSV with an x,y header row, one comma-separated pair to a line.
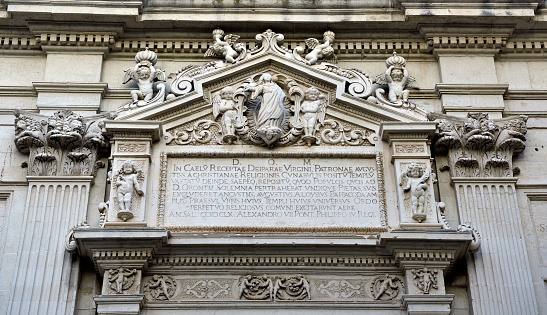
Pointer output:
x,y
289,157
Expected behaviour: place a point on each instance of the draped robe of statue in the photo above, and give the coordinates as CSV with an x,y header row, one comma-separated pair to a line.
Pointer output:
x,y
272,111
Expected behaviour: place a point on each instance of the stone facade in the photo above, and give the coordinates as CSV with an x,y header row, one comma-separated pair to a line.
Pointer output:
x,y
252,156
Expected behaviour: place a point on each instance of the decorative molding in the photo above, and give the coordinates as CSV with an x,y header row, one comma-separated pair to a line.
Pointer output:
x,y
470,89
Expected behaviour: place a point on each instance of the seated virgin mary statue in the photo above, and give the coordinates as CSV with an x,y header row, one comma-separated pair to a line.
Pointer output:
x,y
271,115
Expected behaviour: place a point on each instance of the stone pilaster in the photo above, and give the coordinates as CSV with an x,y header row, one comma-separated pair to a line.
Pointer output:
x,y
480,152
63,159
410,153
85,45
468,72
131,151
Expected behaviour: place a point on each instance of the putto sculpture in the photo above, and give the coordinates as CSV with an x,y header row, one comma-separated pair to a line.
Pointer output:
x,y
225,107
425,279
127,183
318,51
145,74
121,279
414,180
313,114
398,82
226,46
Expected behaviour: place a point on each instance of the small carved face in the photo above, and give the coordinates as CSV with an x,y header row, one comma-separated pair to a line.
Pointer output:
x,y
445,126
254,284
293,285
397,74
128,168
415,171
227,93
312,94
144,73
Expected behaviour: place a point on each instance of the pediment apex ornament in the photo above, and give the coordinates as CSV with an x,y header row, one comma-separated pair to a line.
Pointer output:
x,y
64,143
478,146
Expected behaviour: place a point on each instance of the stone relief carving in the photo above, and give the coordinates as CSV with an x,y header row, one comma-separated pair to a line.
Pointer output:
x,y
478,146
398,81
256,288
127,184
269,110
226,47
318,51
145,74
62,144
274,288
476,243
208,289
359,84
340,289
121,279
161,287
414,181
441,206
386,287
292,288
425,279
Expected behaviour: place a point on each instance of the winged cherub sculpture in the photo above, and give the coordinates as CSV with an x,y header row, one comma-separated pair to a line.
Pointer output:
x,y
144,73
318,51
398,82
229,48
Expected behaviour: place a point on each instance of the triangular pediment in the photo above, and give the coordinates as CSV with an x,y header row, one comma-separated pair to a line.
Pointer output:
x,y
205,84
232,95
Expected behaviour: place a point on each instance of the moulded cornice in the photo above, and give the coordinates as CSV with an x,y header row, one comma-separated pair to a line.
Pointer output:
x,y
153,128
70,87
420,130
484,180
471,89
468,8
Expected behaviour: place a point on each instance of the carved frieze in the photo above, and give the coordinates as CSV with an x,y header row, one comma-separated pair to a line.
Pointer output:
x,y
478,146
62,144
386,287
160,287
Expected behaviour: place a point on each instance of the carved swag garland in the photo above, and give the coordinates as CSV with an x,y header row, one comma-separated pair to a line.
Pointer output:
x,y
62,144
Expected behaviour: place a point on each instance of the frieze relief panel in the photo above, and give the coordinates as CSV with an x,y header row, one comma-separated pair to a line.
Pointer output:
x,y
272,287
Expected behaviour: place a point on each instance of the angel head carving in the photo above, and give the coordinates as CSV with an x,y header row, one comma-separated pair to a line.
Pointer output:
x,y
226,46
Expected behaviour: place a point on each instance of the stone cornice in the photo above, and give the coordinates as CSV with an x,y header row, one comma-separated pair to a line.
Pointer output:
x,y
137,128
412,130
70,87
471,89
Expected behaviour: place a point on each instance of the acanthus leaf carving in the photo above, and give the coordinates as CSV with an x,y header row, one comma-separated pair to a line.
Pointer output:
x,y
478,146
339,289
62,144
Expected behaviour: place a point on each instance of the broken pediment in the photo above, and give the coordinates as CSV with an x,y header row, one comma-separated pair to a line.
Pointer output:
x,y
272,96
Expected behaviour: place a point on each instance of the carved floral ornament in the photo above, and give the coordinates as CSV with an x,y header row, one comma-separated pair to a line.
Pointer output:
x,y
62,144
478,146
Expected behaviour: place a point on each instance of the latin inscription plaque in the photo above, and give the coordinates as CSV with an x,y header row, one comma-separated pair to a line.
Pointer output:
x,y
262,193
